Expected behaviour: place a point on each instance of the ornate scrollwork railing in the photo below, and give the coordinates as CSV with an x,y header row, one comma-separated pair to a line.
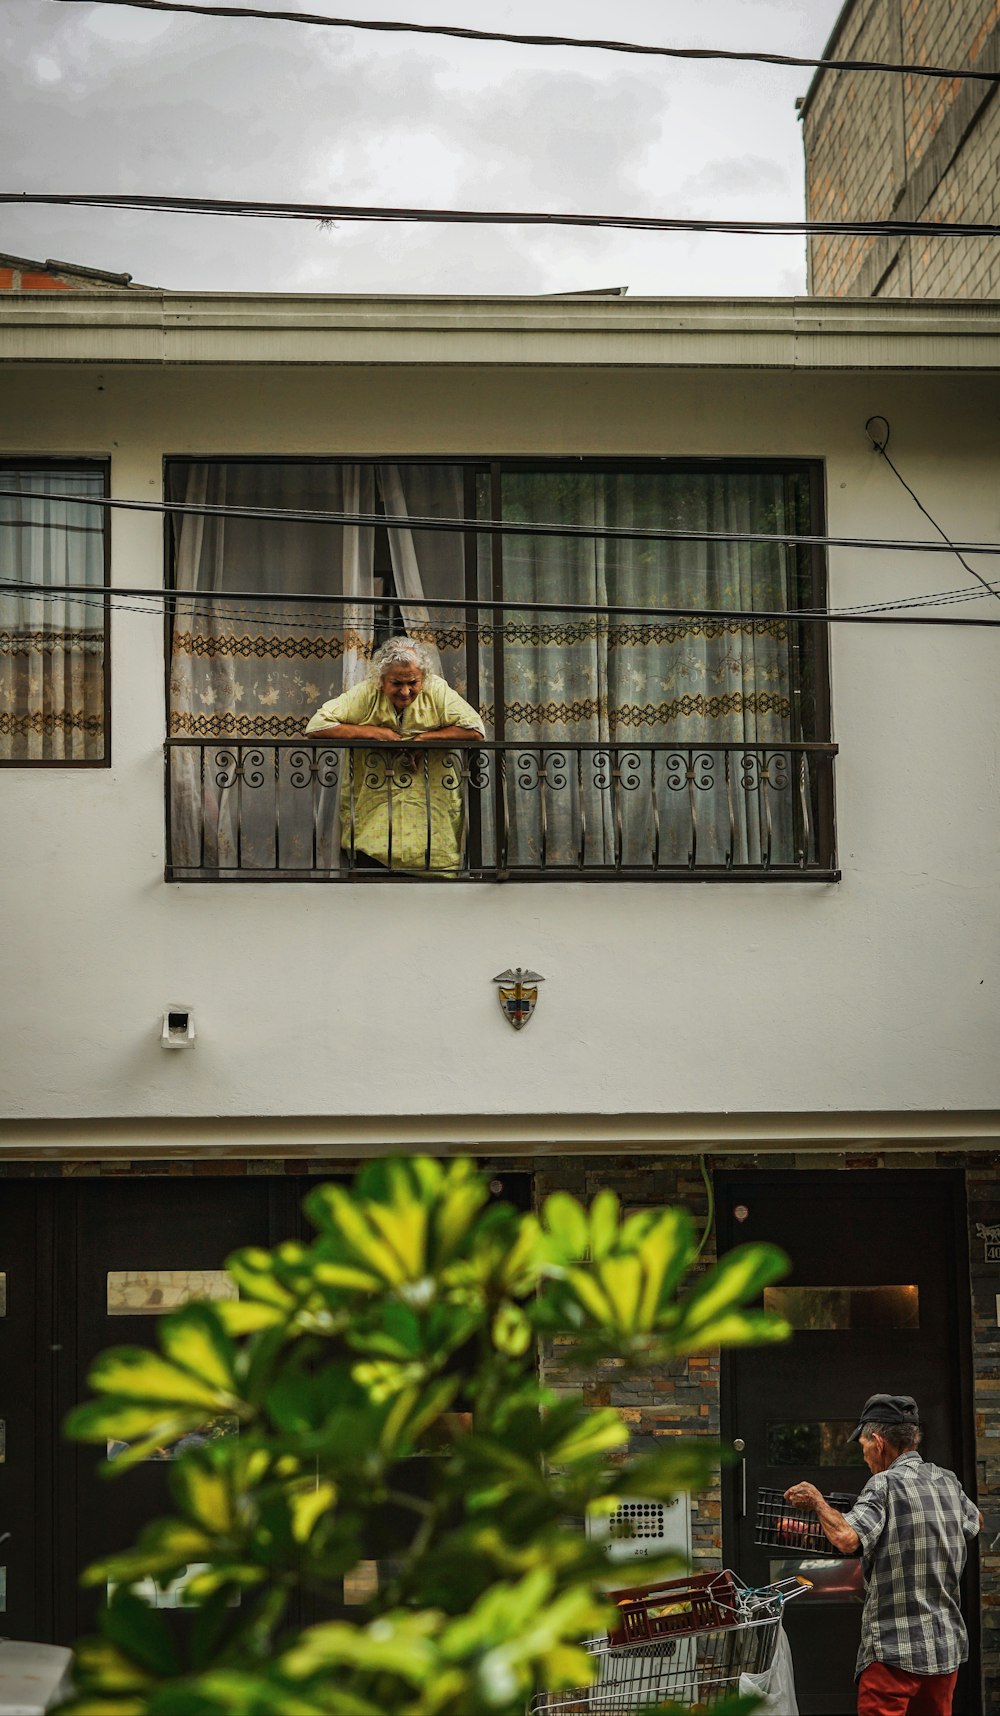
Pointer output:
x,y
309,810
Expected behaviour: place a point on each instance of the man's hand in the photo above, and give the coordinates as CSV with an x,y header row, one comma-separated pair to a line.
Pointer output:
x,y
832,1522
804,1495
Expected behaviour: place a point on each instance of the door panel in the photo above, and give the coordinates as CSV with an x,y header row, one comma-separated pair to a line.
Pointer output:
x,y
25,1413
159,1241
793,1406
59,1239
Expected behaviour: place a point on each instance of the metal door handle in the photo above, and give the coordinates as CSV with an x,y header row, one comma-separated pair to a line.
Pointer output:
x,y
739,1445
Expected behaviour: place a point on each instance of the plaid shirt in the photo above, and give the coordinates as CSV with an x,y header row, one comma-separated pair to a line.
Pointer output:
x,y
913,1521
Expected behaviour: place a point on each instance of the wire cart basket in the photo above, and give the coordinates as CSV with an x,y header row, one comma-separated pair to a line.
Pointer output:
x,y
780,1526
694,1649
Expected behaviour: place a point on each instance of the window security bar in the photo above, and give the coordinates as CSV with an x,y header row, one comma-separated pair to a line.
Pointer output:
x,y
295,810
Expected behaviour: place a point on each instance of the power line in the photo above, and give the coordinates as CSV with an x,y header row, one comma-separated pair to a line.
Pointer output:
x,y
884,614
508,527
464,33
880,442
331,213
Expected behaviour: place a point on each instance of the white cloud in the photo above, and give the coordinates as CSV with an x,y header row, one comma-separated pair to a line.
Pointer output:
x,y
120,100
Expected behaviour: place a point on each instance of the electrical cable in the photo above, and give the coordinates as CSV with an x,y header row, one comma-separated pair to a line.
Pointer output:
x,y
167,601
710,1215
329,214
464,33
502,527
880,443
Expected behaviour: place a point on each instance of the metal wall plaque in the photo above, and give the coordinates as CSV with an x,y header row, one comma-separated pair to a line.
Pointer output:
x,y
989,1233
518,994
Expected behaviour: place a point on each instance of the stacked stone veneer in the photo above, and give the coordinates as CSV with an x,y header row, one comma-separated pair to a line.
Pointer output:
x,y
681,1399
882,146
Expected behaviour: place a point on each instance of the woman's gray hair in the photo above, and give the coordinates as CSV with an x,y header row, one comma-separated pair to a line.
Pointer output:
x,y
399,652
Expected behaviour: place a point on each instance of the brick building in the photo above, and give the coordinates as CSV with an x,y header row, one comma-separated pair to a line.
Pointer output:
x,y
25,274
881,145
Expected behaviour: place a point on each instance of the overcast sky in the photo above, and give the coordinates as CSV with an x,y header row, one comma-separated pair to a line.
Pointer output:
x,y
104,98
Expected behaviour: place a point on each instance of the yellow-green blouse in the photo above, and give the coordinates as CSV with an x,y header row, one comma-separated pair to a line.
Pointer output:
x,y
414,784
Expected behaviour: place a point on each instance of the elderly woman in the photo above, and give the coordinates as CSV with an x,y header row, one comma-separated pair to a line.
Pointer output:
x,y
397,798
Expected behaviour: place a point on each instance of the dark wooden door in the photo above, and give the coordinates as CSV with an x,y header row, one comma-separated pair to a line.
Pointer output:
x,y
133,1247
87,1264
876,1291
27,1414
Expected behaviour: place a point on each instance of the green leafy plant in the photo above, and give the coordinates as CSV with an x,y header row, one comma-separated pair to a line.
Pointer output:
x,y
385,1384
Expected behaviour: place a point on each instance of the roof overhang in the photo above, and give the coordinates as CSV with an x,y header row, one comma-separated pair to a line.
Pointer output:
x,y
184,329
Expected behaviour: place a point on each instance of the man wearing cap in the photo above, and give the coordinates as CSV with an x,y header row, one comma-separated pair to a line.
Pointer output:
x,y
910,1525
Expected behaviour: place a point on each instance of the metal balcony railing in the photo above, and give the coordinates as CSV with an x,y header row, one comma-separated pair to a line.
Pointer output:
x,y
312,811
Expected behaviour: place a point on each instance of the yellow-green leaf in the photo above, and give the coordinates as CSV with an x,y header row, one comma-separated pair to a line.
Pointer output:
x,y
737,1277
565,1219
307,1506
604,1219
204,1494
134,1373
621,1278
595,1434
247,1316
193,1338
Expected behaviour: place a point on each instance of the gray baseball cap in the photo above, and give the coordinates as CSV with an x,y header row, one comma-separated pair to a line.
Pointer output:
x,y
886,1409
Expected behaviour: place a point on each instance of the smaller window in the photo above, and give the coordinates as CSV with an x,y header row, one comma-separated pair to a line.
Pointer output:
x,y
54,626
855,1308
825,1442
153,1292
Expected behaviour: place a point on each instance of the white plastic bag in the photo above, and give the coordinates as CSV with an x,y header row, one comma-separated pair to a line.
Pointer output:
x,y
777,1686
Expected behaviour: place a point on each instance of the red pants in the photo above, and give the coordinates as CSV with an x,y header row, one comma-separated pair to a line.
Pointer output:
x,y
887,1691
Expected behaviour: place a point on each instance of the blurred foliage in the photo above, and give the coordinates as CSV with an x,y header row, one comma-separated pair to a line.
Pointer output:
x,y
385,1383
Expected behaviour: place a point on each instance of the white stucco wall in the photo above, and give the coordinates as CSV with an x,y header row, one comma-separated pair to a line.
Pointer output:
x,y
880,992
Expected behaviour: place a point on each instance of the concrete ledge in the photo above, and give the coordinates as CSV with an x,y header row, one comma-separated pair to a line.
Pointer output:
x,y
300,1138
138,327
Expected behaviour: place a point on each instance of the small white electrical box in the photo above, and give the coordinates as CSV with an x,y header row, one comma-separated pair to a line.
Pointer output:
x,y
32,1677
645,1528
178,1027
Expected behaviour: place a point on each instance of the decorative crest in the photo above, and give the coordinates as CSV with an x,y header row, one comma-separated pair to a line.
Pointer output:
x,y
518,994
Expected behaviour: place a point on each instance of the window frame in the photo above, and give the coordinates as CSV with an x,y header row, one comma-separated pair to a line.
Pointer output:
x,y
493,468
811,469
87,464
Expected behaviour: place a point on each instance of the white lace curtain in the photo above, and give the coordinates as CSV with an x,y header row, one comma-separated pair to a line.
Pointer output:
x,y
615,679
246,671
52,662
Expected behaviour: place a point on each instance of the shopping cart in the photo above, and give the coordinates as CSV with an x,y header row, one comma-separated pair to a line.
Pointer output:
x,y
702,1634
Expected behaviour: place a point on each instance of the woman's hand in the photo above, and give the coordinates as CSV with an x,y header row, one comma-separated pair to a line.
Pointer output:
x,y
381,735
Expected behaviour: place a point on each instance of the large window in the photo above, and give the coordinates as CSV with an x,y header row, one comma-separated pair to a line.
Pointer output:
x,y
632,740
53,625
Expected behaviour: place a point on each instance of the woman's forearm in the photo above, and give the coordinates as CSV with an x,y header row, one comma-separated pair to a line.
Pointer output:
x,y
347,730
469,733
